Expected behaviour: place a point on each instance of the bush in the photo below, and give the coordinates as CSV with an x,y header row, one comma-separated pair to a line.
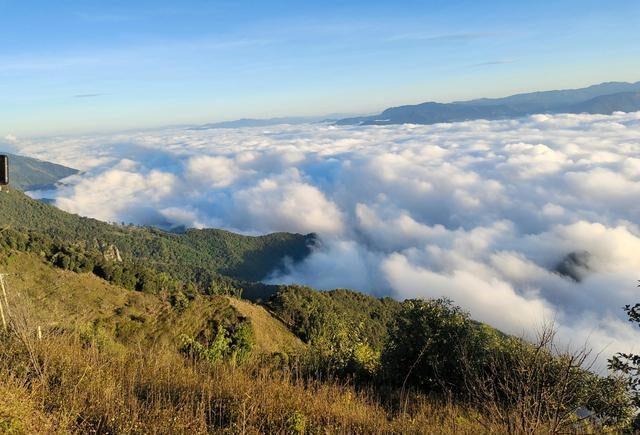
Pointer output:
x,y
532,388
528,388
179,301
235,346
426,344
341,348
628,364
214,353
242,342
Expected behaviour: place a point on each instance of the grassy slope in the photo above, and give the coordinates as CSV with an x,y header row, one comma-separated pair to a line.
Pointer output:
x,y
271,334
183,255
56,299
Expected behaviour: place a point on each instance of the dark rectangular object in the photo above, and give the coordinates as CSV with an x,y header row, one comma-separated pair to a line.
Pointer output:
x,y
4,170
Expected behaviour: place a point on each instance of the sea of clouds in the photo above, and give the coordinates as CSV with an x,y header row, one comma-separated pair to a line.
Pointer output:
x,y
482,212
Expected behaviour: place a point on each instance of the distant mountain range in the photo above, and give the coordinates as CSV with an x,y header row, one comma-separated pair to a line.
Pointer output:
x,y
26,173
251,122
604,98
247,122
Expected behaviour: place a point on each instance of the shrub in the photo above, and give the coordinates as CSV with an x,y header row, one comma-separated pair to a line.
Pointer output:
x,y
628,364
235,346
340,348
532,388
242,342
214,353
426,345
179,301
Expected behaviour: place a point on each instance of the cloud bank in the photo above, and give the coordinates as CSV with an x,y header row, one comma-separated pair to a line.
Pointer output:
x,y
518,221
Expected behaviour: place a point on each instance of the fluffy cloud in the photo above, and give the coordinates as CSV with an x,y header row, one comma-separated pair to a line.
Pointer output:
x,y
117,194
519,221
489,297
212,172
287,204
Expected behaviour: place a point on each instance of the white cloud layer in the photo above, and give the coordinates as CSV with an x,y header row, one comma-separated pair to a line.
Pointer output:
x,y
482,212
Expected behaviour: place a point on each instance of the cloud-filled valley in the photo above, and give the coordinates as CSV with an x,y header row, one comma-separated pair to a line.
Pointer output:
x,y
518,221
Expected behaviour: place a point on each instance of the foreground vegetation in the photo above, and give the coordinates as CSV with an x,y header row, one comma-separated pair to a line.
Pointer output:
x,y
83,389
112,360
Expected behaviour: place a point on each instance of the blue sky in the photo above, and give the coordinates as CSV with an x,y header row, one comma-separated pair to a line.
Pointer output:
x,y
83,66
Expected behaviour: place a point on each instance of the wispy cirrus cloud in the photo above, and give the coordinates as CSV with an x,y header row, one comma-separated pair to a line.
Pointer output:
x,y
87,95
493,63
446,37
138,52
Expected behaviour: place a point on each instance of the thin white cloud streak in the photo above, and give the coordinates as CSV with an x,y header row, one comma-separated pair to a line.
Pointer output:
x,y
449,37
482,212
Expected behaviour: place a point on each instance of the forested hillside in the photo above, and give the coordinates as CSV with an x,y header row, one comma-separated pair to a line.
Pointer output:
x,y
30,174
308,312
195,256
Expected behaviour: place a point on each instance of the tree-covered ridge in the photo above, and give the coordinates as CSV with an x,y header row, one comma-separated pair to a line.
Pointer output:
x,y
249,258
192,256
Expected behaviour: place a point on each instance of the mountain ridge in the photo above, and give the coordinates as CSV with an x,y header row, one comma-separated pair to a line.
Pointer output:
x,y
195,255
574,94
28,173
604,98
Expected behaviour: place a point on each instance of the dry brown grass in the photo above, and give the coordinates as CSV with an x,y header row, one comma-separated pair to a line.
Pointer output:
x,y
83,389
19,413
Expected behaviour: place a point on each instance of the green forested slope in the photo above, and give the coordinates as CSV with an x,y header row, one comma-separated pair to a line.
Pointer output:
x,y
61,300
29,174
193,256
